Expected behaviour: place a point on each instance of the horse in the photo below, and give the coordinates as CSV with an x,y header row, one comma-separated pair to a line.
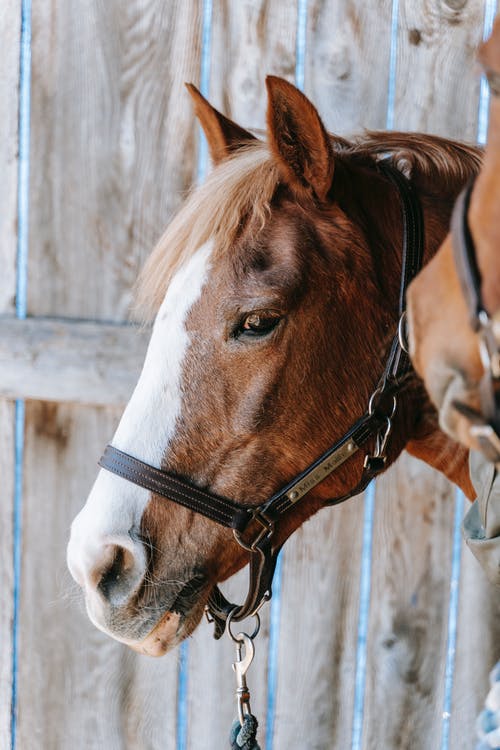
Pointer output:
x,y
278,330
454,328
454,338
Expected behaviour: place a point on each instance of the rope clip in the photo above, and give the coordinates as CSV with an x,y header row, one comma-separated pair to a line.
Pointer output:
x,y
245,651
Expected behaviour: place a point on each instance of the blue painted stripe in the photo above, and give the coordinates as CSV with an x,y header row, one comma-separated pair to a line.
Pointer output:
x,y
301,44
183,668
484,96
275,614
391,94
182,696
364,612
206,51
21,309
272,669
452,620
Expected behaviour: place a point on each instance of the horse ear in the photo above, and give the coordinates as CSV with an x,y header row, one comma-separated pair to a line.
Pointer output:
x,y
223,135
298,138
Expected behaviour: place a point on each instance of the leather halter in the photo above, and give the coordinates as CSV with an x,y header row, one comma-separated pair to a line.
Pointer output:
x,y
485,426
253,526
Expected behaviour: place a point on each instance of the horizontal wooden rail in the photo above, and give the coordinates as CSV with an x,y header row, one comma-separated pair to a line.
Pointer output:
x,y
70,361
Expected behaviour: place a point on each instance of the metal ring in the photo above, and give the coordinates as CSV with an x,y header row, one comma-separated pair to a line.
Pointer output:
x,y
403,333
236,637
379,391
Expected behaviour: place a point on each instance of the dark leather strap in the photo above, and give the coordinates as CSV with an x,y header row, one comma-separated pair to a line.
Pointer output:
x,y
218,509
464,254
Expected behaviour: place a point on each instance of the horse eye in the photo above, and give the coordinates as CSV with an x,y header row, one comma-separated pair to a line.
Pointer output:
x,y
258,324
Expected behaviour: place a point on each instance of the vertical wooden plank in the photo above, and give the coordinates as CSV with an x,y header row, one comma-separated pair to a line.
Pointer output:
x,y
318,635
408,617
320,597
348,51
249,40
437,87
113,144
211,681
6,566
112,151
478,649
10,34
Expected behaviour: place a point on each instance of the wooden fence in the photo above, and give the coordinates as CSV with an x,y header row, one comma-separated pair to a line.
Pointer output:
x,y
113,147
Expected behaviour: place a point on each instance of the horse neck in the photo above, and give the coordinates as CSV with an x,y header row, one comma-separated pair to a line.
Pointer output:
x,y
483,215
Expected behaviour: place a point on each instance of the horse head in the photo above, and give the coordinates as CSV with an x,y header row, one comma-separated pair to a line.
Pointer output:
x,y
275,299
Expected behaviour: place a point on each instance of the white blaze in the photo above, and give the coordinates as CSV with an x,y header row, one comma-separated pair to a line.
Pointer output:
x,y
147,426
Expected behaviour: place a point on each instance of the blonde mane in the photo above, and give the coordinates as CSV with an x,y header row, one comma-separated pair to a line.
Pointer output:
x,y
239,192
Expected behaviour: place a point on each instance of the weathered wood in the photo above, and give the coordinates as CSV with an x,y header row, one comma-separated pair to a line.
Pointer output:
x,y
437,83
318,634
211,681
70,361
10,33
347,62
113,140
112,149
249,41
408,617
6,565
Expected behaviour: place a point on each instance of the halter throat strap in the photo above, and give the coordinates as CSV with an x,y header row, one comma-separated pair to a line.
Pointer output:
x,y
253,526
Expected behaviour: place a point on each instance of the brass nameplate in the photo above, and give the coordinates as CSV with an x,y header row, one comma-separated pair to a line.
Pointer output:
x,y
329,464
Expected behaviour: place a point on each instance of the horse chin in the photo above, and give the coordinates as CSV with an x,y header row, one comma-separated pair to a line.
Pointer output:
x,y
171,630
153,634
453,389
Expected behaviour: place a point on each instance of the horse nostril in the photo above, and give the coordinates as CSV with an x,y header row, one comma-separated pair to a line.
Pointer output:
x,y
116,571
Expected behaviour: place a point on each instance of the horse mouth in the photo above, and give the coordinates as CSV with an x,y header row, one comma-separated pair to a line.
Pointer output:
x,y
158,618
178,621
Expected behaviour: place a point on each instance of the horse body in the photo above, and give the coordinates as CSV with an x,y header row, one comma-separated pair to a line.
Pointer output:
x,y
275,292
444,347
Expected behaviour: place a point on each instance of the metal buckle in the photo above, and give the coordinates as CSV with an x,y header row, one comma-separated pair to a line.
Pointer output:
x,y
266,531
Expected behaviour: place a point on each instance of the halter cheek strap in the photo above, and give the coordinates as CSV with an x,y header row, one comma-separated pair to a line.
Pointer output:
x,y
253,526
485,426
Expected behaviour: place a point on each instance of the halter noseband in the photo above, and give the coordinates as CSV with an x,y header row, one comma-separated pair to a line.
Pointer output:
x,y
253,526
485,426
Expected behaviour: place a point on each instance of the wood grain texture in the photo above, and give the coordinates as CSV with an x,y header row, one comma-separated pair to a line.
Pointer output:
x,y
412,545
318,634
10,33
112,141
477,651
250,40
347,64
437,83
6,565
70,361
212,684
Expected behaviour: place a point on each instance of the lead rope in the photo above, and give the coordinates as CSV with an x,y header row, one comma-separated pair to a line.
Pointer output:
x,y
243,735
488,721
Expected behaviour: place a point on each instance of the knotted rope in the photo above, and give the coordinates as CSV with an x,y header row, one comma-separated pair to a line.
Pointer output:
x,y
488,721
244,737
